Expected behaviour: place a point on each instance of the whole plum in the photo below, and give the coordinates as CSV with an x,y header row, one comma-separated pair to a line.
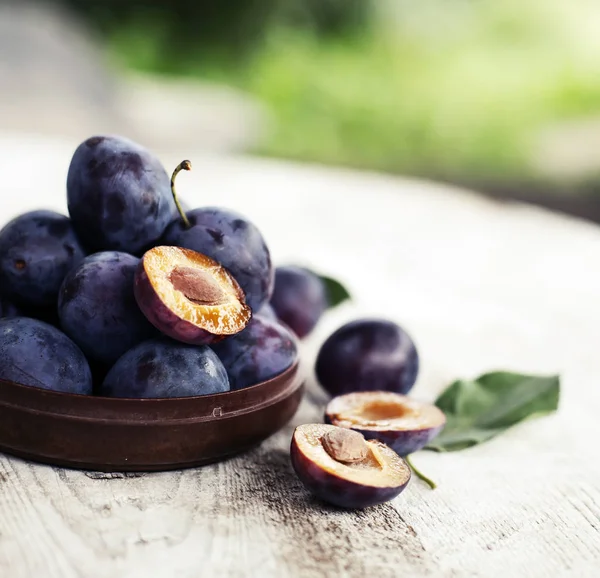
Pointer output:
x,y
368,355
165,368
37,250
37,354
299,298
97,307
119,195
261,351
234,242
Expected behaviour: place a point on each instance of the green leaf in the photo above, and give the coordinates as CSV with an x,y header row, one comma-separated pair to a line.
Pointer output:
x,y
336,292
478,410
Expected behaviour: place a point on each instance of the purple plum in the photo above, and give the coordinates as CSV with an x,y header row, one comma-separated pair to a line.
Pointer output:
x,y
161,368
367,355
119,195
37,354
340,467
37,250
97,308
299,298
404,424
188,296
261,351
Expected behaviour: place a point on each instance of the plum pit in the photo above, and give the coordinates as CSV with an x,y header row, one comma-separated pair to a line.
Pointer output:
x,y
342,468
404,424
197,285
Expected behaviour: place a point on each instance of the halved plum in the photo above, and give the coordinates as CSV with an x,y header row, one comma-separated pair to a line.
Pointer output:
x,y
404,424
189,296
342,468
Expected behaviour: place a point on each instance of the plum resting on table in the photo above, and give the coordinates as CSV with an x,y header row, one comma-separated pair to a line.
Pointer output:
x,y
340,467
367,355
37,354
164,368
188,296
299,298
405,425
119,195
234,242
261,351
97,307
37,250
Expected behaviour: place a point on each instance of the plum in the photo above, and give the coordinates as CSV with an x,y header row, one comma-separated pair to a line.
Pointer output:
x,y
405,425
299,298
367,355
37,354
37,250
164,368
8,309
188,296
118,195
97,308
233,241
342,468
261,351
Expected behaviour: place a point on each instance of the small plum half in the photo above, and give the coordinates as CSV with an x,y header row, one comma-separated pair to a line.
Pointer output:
x,y
342,468
189,296
404,424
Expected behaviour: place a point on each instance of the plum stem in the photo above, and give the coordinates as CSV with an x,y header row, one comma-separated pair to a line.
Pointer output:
x,y
420,474
185,166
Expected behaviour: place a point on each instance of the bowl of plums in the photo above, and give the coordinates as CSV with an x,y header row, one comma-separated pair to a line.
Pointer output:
x,y
136,334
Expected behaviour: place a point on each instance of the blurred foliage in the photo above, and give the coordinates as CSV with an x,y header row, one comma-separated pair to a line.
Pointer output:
x,y
442,88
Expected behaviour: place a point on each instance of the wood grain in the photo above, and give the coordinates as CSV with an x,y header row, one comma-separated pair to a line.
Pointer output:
x,y
480,285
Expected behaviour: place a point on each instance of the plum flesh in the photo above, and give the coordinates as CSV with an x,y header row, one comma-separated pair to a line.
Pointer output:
x,y
97,308
261,351
367,355
119,195
37,250
56,363
299,298
161,368
233,241
349,473
188,296
405,425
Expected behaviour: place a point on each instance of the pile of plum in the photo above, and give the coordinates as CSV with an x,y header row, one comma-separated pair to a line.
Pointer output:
x,y
130,296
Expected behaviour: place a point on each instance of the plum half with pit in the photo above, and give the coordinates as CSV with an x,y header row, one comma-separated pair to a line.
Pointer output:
x,y
368,355
404,424
37,354
261,351
97,308
160,368
189,296
119,195
37,250
299,298
342,468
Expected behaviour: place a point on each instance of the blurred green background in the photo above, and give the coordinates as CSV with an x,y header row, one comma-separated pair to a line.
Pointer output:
x,y
503,95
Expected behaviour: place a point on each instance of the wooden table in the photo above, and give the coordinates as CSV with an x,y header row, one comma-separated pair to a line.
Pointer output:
x,y
481,285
